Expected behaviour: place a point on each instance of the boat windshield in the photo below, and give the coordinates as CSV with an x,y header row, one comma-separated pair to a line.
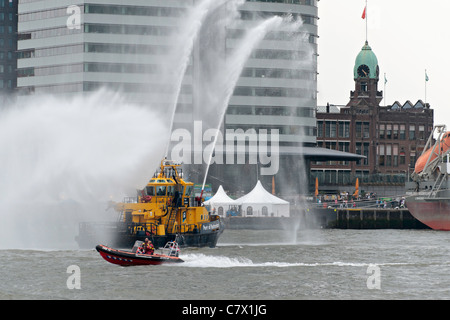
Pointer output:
x,y
136,245
161,191
150,190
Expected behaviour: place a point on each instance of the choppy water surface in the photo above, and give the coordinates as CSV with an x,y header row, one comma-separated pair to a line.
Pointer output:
x,y
311,264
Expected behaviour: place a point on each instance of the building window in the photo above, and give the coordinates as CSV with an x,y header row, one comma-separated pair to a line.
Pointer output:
x,y
395,132
388,155
389,131
320,129
402,132
366,154
358,151
249,211
366,130
381,155
358,129
395,155
344,146
382,131
412,159
363,86
402,157
330,129
344,129
412,132
421,132
344,177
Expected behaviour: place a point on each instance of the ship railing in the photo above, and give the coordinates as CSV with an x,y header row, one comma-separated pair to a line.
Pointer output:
x,y
142,229
186,228
148,229
130,200
437,185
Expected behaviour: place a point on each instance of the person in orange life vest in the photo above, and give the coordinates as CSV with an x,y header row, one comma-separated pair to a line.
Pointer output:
x,y
147,247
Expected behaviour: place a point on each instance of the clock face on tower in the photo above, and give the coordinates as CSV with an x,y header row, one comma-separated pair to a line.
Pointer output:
x,y
363,71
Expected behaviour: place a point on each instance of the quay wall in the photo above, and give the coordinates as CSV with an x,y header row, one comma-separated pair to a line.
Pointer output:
x,y
331,218
375,219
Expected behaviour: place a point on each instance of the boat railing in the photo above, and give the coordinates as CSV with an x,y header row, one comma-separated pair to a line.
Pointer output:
x,y
171,249
130,200
142,229
186,228
148,229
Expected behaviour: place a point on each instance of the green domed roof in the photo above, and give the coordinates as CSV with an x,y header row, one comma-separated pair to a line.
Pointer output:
x,y
368,58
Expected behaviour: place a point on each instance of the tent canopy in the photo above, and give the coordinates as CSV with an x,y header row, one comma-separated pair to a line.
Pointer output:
x,y
259,195
220,198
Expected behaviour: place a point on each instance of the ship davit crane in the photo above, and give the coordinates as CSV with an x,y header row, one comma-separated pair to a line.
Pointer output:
x,y
429,161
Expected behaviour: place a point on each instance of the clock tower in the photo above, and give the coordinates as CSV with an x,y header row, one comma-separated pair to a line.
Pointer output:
x,y
366,75
364,109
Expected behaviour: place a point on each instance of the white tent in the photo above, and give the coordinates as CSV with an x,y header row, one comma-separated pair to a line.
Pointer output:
x,y
259,203
220,202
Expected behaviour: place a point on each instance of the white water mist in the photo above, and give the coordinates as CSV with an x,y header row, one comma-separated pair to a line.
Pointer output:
x,y
183,44
233,68
61,160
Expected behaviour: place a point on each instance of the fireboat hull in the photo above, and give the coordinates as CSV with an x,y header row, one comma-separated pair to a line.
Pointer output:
x,y
433,212
117,235
125,258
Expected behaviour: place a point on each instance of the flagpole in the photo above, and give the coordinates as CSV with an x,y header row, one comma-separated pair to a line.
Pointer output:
x,y
366,22
364,16
426,79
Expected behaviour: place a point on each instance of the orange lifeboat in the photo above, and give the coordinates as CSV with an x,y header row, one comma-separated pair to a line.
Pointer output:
x,y
422,161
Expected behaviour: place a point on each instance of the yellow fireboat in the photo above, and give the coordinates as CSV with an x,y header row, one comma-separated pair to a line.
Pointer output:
x,y
165,210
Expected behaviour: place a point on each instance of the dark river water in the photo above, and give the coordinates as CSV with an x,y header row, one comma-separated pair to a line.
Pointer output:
x,y
250,265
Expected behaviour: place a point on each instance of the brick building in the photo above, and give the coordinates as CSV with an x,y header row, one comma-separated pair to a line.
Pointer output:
x,y
390,137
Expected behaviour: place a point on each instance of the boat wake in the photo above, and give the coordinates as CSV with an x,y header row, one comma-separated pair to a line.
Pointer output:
x,y
205,261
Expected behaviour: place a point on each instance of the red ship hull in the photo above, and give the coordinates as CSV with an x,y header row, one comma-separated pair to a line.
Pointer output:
x,y
433,212
127,258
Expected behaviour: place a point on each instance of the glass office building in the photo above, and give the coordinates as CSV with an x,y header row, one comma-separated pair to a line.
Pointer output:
x,y
73,46
277,88
8,48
